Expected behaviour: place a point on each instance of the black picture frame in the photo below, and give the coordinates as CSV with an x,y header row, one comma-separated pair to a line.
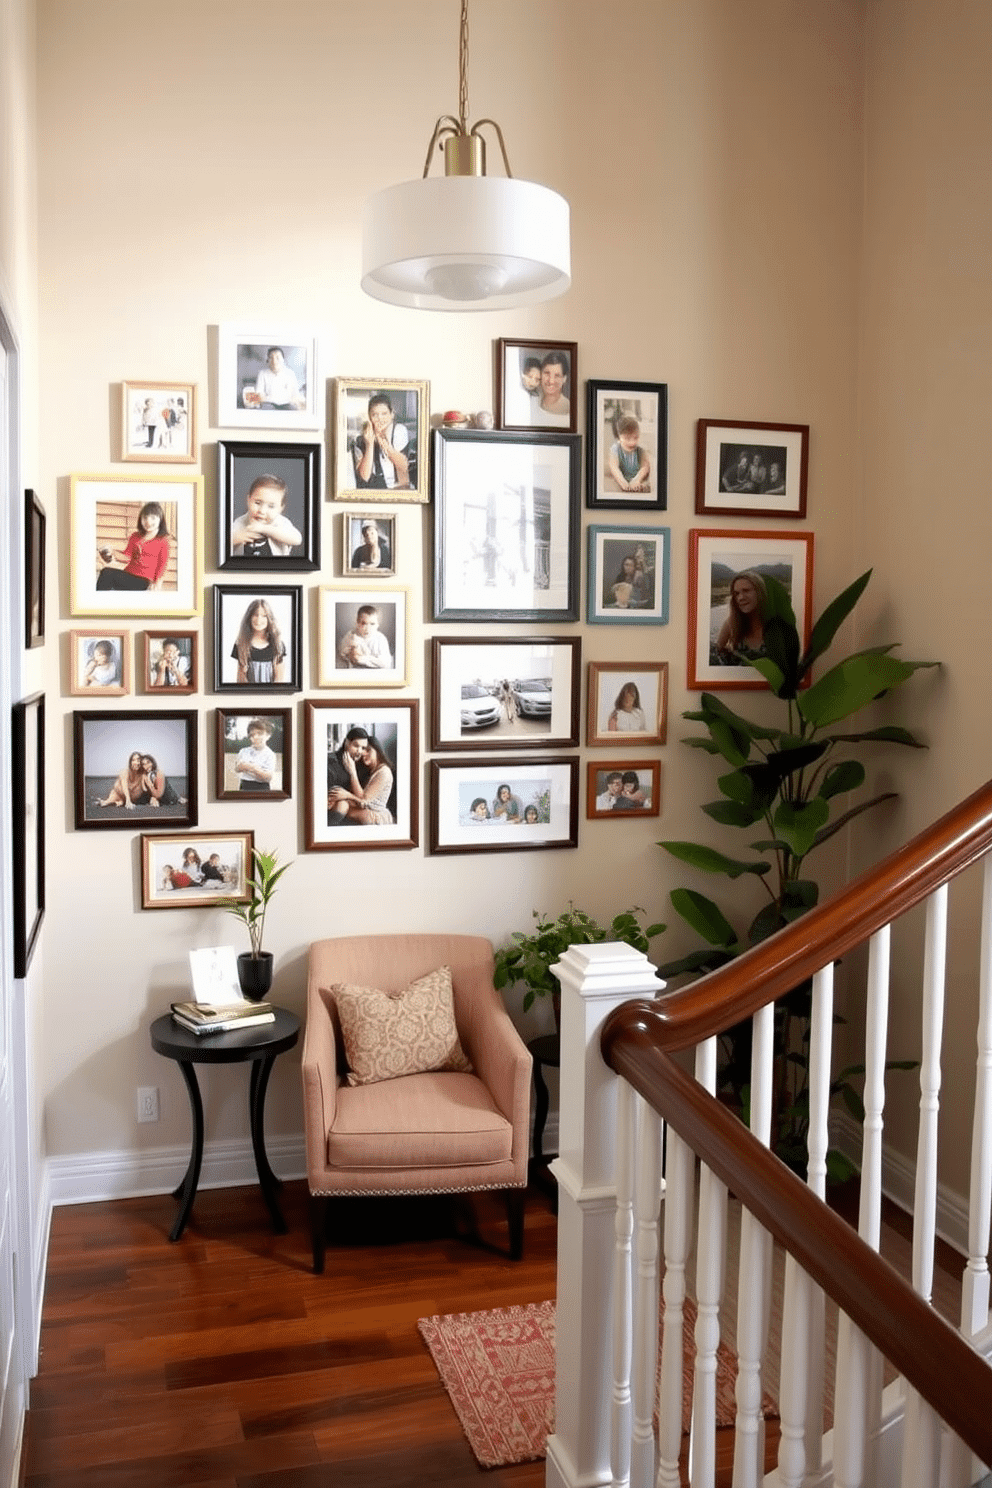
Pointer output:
x,y
507,692
608,403
544,787
232,604
105,743
506,526
35,529
239,465
28,845
231,736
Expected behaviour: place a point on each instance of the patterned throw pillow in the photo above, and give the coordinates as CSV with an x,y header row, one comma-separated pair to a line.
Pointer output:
x,y
387,1034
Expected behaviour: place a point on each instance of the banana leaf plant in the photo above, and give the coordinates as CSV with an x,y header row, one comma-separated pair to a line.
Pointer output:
x,y
783,782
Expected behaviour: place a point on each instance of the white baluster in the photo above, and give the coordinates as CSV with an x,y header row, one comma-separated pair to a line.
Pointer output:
x,y
753,1298
711,1239
647,1188
920,1443
622,1292
820,1047
680,1167
925,1203
792,1390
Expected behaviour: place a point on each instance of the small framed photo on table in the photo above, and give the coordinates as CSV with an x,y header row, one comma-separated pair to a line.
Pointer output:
x,y
269,502
267,377
628,703
100,663
136,545
368,544
623,791
158,422
506,526
627,445
360,774
628,575
363,637
195,869
537,385
258,634
519,693
135,767
380,439
254,755
727,600
751,470
490,805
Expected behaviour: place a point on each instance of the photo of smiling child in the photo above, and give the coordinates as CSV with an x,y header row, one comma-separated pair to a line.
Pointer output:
x,y
263,530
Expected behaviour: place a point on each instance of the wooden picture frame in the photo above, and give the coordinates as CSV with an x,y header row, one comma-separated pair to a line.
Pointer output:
x,y
170,662
28,826
110,754
627,445
746,469
329,824
395,470
623,790
246,366
268,500
100,662
117,565
506,526
719,559
628,575
506,693
193,870
158,422
35,542
626,703
368,554
499,805
239,773
234,606
537,385
363,636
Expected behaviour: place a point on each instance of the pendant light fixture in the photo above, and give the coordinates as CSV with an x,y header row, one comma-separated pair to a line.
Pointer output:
x,y
465,240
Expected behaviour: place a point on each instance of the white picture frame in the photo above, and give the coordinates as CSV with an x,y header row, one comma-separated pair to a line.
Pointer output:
x,y
339,617
243,349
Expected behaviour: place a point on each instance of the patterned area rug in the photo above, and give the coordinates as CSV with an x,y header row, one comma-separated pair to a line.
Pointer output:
x,y
498,1368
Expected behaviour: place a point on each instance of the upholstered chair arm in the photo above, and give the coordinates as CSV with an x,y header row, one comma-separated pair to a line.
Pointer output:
x,y
499,1057
320,1077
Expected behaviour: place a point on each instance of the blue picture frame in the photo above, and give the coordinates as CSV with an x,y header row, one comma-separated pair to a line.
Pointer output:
x,y
628,574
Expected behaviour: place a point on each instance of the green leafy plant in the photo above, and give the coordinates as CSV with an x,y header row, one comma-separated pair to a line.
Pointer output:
x,y
261,886
783,781
528,958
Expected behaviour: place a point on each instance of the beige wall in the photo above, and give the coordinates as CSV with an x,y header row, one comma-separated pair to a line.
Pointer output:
x,y
205,170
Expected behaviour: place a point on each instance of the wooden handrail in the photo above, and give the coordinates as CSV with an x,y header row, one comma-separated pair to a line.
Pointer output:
x,y
934,1358
830,930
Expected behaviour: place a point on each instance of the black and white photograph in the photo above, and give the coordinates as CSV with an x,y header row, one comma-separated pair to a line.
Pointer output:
x,y
381,439
627,702
505,694
136,545
267,377
195,869
158,422
27,747
363,637
506,526
623,790
269,507
628,575
728,600
627,445
368,543
170,661
132,767
258,637
488,805
537,385
254,755
751,470
361,774
100,662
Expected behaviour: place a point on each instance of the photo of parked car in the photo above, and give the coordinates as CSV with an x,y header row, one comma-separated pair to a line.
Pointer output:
x,y
532,696
479,708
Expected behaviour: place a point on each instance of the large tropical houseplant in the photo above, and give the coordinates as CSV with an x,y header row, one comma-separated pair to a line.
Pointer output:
x,y
783,781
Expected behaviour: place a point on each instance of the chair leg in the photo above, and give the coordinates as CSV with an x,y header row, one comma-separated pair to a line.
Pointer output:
x,y
514,1198
318,1230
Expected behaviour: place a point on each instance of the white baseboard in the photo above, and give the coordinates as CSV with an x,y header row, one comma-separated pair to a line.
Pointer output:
x,y
90,1177
899,1183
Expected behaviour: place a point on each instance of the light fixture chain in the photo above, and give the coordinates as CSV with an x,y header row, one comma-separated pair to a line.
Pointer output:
x,y
463,68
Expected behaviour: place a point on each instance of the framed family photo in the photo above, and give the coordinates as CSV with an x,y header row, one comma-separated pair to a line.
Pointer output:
x,y
132,767
627,702
258,637
269,507
194,869
727,600
628,575
361,774
100,663
751,470
27,742
519,693
136,545
491,805
158,422
627,445
537,385
623,791
506,526
170,661
254,755
368,543
363,637
34,571
380,439
267,377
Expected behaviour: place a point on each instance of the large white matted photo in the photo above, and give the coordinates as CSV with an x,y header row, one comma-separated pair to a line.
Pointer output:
x,y
363,637
136,544
360,774
505,694
495,806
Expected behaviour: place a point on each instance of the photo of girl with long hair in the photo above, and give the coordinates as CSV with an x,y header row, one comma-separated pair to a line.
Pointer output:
x,y
257,637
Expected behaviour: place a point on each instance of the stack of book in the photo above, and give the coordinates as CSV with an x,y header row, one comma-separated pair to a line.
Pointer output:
x,y
206,1017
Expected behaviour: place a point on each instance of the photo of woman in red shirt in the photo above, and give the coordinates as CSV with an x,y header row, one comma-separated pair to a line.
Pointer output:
x,y
145,555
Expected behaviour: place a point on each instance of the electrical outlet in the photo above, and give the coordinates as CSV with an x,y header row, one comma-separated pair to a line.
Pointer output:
x,y
147,1103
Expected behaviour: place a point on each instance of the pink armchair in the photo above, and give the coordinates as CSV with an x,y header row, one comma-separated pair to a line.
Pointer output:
x,y
440,1132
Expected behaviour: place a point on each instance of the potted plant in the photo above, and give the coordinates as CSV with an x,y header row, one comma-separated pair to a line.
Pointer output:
x,y
528,958
255,966
782,781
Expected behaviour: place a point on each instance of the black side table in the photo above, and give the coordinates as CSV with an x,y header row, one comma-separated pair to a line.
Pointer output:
x,y
260,1044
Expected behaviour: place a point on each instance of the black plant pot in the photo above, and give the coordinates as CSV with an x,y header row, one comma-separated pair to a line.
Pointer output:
x,y
255,974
